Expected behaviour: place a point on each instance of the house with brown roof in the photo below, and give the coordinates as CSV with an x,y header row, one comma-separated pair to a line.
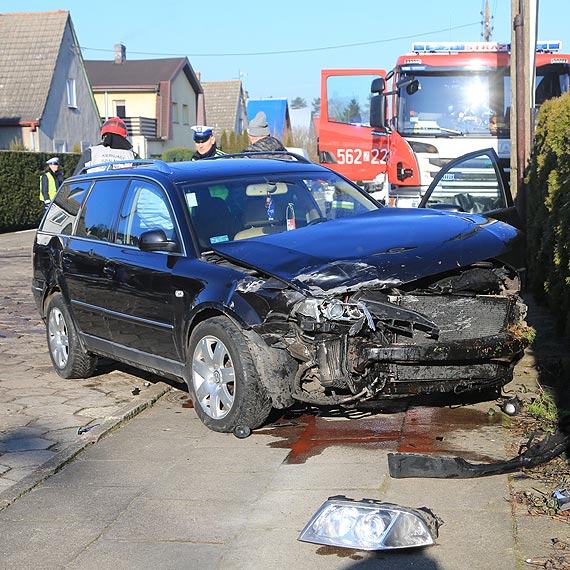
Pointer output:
x,y
46,103
225,106
159,99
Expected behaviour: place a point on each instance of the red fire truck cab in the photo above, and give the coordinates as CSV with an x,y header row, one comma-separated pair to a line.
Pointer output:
x,y
393,132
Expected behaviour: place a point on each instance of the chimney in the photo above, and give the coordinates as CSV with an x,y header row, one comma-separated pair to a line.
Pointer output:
x,y
120,53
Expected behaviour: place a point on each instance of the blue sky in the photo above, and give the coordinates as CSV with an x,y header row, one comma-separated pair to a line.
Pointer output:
x,y
204,30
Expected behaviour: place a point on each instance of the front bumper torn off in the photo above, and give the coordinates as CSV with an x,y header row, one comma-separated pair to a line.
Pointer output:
x,y
407,465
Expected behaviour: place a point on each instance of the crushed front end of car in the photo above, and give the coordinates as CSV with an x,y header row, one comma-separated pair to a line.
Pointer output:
x,y
456,333
435,311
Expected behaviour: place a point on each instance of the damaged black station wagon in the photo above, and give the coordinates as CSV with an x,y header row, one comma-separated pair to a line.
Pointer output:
x,y
262,282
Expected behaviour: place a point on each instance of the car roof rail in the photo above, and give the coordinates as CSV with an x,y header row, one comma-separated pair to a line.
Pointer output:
x,y
265,154
160,165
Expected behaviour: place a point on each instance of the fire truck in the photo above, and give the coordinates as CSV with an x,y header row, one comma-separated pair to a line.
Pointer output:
x,y
392,132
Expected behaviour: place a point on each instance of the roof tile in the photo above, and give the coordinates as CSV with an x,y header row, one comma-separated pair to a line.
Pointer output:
x,y
29,46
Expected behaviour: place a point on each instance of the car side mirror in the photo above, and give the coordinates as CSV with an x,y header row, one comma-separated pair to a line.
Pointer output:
x,y
156,240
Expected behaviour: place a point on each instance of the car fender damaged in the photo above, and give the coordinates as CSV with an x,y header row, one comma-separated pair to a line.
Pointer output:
x,y
276,370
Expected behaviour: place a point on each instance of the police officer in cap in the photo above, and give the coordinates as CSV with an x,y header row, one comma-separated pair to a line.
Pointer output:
x,y
50,180
205,141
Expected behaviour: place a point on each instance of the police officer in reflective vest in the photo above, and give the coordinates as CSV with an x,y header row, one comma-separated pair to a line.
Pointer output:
x,y
205,141
50,180
113,147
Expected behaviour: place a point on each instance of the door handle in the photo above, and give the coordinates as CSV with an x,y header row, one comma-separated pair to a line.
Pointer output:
x,y
109,270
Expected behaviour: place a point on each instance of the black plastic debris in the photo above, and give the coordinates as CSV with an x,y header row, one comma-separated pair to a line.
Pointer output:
x,y
135,391
405,465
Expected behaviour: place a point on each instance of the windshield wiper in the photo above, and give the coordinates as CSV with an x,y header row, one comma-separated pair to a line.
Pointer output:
x,y
434,131
450,132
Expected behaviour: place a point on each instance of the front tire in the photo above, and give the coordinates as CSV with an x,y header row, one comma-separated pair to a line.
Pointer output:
x,y
67,356
223,381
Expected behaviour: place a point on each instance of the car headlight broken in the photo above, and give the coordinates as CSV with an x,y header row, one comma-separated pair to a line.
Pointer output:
x,y
370,525
334,310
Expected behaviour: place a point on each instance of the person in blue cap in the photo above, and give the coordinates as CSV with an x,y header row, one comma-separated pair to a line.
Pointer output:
x,y
205,141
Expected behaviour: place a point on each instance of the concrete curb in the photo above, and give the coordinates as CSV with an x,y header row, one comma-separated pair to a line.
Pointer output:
x,y
46,470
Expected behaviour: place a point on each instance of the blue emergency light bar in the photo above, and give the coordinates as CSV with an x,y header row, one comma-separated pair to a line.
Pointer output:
x,y
466,47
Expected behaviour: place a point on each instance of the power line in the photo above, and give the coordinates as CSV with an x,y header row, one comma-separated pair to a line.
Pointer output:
x,y
293,50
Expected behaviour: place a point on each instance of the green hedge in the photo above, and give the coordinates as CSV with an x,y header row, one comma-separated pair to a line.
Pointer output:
x,y
177,154
20,207
548,238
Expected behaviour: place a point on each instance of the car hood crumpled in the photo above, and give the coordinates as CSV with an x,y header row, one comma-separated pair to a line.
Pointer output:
x,y
386,247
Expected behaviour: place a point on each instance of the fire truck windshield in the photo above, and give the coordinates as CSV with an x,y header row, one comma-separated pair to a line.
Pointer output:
x,y
476,103
455,104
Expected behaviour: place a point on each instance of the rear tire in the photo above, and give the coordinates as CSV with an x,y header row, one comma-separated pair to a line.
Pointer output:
x,y
223,381
67,356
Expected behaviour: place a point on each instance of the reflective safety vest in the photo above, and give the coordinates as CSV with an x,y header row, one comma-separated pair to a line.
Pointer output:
x,y
343,204
52,188
100,154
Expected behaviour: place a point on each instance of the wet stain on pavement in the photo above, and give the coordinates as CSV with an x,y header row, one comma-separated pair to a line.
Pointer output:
x,y
419,430
340,552
426,429
309,434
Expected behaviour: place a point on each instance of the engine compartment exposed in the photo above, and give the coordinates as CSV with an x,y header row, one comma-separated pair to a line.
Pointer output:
x,y
456,332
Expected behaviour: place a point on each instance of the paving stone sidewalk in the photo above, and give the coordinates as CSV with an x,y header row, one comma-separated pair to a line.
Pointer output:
x,y
40,413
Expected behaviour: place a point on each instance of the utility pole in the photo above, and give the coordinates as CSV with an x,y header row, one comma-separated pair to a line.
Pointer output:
x,y
486,23
523,49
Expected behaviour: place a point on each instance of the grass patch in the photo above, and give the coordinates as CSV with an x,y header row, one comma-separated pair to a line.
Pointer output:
x,y
544,409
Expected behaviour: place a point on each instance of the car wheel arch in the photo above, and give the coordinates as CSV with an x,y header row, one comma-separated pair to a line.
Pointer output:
x,y
277,367
208,312
48,294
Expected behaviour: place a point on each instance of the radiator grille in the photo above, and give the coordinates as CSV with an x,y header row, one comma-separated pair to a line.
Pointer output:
x,y
460,318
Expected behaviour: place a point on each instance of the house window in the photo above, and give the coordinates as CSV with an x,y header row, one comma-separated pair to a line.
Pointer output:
x,y
71,96
186,114
175,118
120,108
59,146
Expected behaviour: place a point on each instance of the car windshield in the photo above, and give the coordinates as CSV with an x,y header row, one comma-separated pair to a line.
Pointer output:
x,y
249,207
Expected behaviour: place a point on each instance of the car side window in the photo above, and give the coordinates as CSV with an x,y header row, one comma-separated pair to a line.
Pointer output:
x,y
65,207
101,208
145,208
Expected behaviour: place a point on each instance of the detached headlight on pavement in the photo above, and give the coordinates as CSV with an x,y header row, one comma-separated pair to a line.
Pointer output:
x,y
370,525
